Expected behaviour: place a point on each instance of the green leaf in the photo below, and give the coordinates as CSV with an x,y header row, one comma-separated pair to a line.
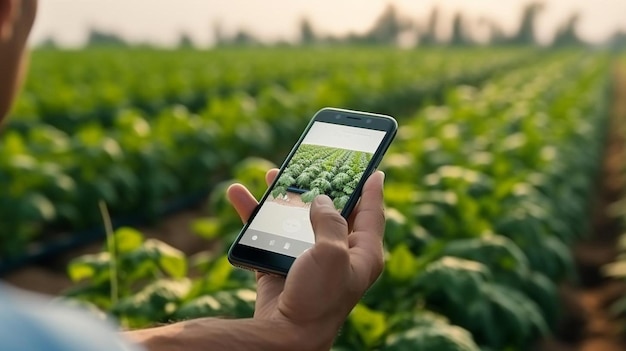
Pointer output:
x,y
439,338
237,303
369,324
561,255
154,302
172,261
458,279
341,201
208,228
106,190
14,144
544,293
203,306
505,259
401,264
519,318
279,191
246,299
97,293
396,229
39,207
409,319
127,239
219,204
310,195
217,277
92,266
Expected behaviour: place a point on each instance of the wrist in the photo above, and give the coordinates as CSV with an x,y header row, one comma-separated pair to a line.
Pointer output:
x,y
313,335
166,338
235,334
302,336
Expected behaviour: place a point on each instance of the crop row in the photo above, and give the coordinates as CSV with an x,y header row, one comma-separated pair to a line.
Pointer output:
x,y
484,193
323,170
51,178
92,86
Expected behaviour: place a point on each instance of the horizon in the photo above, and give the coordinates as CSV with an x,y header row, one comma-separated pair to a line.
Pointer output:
x,y
278,21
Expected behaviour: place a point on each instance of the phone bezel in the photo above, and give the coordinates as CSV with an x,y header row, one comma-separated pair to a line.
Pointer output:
x,y
275,263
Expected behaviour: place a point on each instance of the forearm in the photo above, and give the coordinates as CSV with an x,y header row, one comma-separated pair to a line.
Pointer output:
x,y
225,334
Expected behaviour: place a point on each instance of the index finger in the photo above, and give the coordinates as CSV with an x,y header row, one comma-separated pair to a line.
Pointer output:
x,y
242,200
270,176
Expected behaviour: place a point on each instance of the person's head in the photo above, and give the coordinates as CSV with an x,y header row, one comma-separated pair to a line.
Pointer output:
x,y
16,20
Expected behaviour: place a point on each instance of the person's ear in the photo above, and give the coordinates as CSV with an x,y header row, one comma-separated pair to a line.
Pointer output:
x,y
7,13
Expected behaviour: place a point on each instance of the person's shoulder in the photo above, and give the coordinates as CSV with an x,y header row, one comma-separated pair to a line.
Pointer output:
x,y
32,322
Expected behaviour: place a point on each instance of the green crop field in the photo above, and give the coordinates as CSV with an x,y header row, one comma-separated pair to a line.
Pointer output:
x,y
488,181
323,170
134,128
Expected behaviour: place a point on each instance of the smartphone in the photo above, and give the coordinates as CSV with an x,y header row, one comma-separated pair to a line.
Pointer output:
x,y
335,155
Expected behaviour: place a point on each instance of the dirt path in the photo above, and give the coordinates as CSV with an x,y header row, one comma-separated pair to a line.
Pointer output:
x,y
587,324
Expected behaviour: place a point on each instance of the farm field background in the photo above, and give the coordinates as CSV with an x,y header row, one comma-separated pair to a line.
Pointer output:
x,y
491,183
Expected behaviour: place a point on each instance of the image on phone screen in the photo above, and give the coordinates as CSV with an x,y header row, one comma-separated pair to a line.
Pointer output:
x,y
331,160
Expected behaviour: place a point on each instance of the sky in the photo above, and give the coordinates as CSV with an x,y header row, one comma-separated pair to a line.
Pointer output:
x,y
161,22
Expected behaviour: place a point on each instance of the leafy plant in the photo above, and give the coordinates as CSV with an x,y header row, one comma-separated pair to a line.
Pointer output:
x,y
495,314
425,330
150,283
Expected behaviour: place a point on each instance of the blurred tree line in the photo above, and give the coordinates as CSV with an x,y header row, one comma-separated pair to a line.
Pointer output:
x,y
393,28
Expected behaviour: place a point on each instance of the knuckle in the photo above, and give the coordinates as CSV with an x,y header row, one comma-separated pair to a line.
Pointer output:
x,y
329,216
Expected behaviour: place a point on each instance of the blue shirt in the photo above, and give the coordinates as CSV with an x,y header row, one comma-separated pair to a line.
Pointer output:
x,y
30,322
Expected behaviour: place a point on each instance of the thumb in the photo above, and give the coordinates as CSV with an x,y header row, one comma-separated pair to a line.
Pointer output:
x,y
328,224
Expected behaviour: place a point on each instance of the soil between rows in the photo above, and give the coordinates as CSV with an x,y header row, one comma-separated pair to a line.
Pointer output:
x,y
586,323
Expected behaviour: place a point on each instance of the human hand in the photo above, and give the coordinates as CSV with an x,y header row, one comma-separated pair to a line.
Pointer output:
x,y
326,281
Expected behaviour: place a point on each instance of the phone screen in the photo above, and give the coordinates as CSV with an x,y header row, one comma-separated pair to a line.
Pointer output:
x,y
331,160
